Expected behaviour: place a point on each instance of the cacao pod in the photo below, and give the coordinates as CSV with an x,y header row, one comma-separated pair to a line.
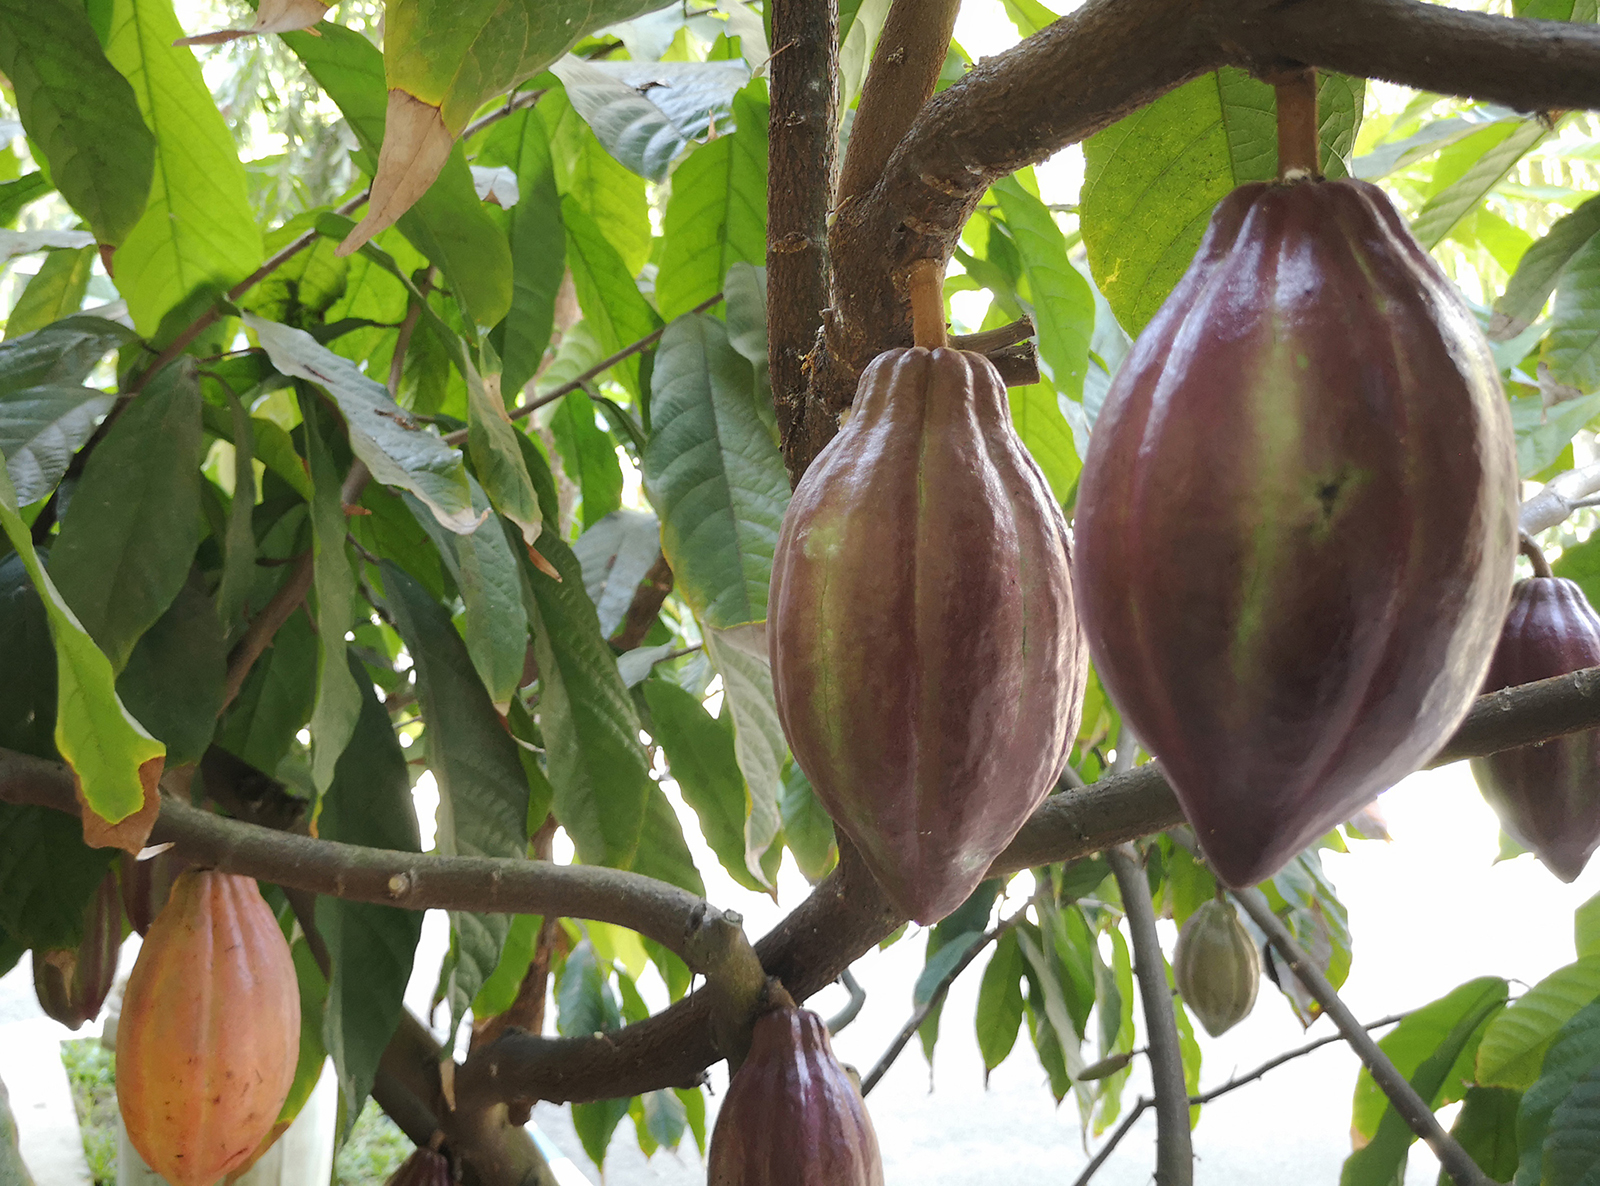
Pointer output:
x,y
210,1030
1547,795
792,1116
926,659
425,1167
1296,523
72,984
1216,967
146,884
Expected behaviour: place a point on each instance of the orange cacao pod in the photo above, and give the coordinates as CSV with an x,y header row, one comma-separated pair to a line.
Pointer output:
x,y
793,1117
210,1030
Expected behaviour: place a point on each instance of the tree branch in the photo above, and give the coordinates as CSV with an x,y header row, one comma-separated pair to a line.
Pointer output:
x,y
1288,1056
1561,495
1112,1141
1174,1153
1413,1109
801,135
259,634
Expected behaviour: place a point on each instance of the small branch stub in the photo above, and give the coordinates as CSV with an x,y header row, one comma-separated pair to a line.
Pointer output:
x,y
926,283
1530,548
1299,145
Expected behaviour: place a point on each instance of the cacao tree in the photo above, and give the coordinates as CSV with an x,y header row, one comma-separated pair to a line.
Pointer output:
x,y
417,391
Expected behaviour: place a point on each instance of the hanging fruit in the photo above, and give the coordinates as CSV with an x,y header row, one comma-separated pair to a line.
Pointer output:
x,y
73,983
926,658
425,1167
1548,795
146,884
792,1116
1216,967
210,1030
1297,518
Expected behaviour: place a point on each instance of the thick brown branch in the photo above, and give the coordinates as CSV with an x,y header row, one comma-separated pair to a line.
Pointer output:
x,y
800,157
646,604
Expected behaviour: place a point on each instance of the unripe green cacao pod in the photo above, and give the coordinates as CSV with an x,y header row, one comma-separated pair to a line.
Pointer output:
x,y
1216,967
425,1167
72,984
210,1030
1547,795
1297,519
926,657
792,1116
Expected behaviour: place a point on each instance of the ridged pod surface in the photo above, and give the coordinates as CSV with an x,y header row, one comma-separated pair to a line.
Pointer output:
x,y
1297,520
792,1117
210,1030
146,884
72,984
1547,796
926,658
425,1167
1216,967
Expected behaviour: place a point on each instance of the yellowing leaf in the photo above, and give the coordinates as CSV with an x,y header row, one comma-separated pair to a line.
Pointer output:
x,y
274,16
416,145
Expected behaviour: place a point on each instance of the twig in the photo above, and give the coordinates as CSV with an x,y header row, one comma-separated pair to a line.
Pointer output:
x,y
1104,1151
259,634
1410,1106
858,998
1272,1063
1174,1152
935,998
995,339
1530,548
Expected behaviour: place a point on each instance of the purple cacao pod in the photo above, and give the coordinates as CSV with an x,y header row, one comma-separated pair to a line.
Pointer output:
x,y
425,1167
1548,795
72,984
792,1116
926,659
146,885
1296,524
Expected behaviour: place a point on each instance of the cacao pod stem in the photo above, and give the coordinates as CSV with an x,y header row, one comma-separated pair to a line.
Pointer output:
x,y
1299,145
926,283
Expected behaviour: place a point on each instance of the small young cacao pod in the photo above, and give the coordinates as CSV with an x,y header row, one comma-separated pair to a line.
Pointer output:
x,y
926,657
73,983
210,1030
146,884
1216,967
1547,795
425,1167
1297,520
792,1116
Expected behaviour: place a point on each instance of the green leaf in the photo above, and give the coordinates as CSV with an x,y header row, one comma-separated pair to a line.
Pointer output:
x,y
497,458
313,1054
807,830
28,694
397,450
700,757
611,301
115,760
714,474
239,549
538,245
758,739
41,428
663,853
1515,1044
448,224
717,214
371,946
1063,1038
79,111
1301,895
55,292
131,529
1569,1066
1496,150
1152,178
1062,303
1415,1040
275,702
59,355
589,456
197,230
604,188
594,1124
940,963
1586,927
1572,1148
1437,1078
1036,415
1573,347
174,678
483,793
1542,433
338,703
999,1013
499,991
12,1168
591,731
616,553
665,1117
47,876
1541,268
1486,1127
16,194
